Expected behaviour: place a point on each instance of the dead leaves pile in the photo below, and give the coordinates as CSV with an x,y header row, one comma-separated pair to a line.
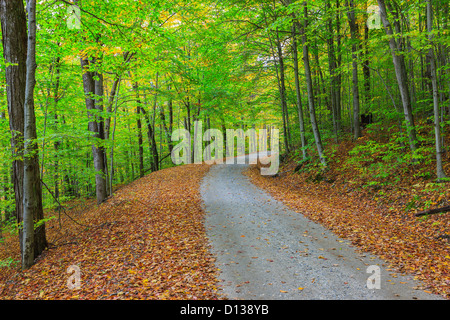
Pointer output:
x,y
410,244
146,242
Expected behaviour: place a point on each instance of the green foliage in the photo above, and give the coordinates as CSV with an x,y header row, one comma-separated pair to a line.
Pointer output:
x,y
10,227
41,222
8,263
385,162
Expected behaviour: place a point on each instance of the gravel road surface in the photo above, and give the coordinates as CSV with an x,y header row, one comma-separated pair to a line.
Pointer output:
x,y
266,251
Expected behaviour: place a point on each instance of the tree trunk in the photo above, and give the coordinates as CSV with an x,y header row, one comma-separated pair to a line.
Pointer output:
x,y
400,72
153,149
298,94
155,155
332,70
97,151
365,65
151,141
34,242
126,59
354,36
55,115
139,133
338,65
99,93
167,131
111,174
14,40
309,86
109,106
437,126
282,88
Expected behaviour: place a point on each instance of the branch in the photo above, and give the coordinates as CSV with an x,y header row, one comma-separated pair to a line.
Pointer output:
x,y
89,13
432,211
247,21
60,206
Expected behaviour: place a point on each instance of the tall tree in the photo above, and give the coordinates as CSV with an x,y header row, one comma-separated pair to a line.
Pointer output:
x,y
297,92
396,46
33,244
437,125
94,127
14,40
139,130
20,80
355,40
332,65
365,59
309,87
282,89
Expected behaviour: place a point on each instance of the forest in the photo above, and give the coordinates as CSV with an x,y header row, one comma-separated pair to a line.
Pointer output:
x,y
92,90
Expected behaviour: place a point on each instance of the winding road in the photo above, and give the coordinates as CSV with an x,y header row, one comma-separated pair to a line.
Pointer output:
x,y
266,251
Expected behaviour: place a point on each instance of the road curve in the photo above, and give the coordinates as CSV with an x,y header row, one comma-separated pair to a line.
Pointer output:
x,y
266,251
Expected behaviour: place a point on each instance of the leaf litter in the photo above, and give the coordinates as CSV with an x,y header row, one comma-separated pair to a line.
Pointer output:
x,y
147,241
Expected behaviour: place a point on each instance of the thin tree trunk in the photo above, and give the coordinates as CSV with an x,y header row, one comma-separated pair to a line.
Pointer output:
x,y
55,115
109,106
139,133
153,135
400,72
321,90
338,65
332,70
437,126
282,87
365,65
298,94
126,59
111,175
411,66
152,142
354,36
99,93
150,131
167,131
309,86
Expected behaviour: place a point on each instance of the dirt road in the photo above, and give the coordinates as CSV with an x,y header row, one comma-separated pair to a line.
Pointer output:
x,y
266,251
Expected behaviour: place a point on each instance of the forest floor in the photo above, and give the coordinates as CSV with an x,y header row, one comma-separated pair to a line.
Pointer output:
x,y
145,242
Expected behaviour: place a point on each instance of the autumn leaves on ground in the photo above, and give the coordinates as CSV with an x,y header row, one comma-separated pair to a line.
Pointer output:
x,y
146,242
